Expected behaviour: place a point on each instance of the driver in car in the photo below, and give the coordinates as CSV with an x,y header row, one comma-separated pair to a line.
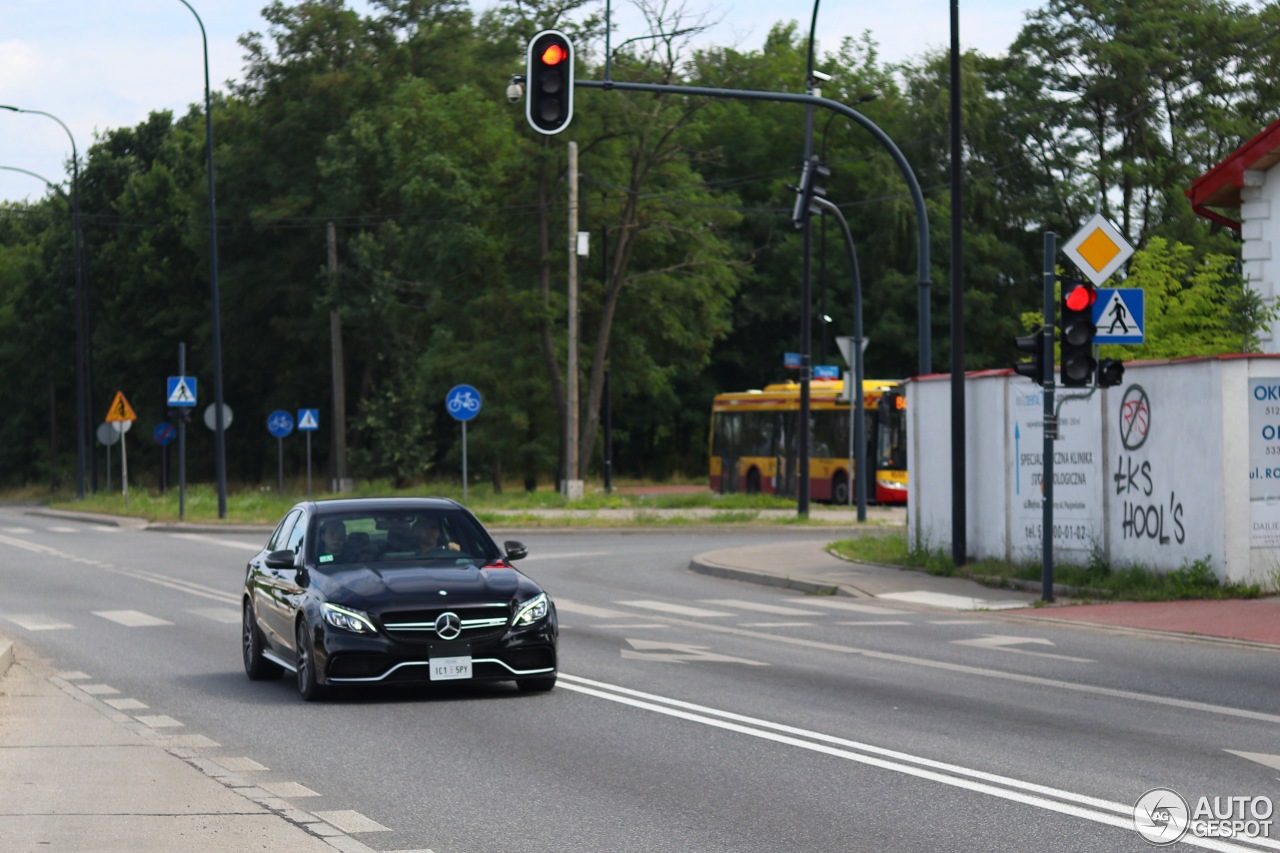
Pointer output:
x,y
430,536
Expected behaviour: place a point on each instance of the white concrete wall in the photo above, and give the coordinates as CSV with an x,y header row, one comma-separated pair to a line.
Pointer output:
x,y
1260,229
1181,462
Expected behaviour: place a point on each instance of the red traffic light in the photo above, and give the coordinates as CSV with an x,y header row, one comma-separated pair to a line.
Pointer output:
x,y
554,55
1080,297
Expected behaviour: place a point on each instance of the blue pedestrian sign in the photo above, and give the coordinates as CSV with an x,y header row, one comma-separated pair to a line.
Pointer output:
x,y
280,423
463,402
1120,315
164,433
182,391
308,420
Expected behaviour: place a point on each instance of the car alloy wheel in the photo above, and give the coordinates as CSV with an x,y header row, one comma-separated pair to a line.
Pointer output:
x,y
308,686
257,667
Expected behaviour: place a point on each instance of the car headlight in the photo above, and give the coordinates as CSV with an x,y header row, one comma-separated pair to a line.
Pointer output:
x,y
355,621
532,610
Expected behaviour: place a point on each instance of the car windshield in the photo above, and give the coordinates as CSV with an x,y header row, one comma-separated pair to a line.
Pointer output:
x,y
438,537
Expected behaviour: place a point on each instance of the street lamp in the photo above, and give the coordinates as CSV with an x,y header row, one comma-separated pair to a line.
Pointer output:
x,y
220,426
82,390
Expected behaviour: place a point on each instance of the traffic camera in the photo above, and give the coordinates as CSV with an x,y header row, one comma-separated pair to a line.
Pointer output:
x,y
549,82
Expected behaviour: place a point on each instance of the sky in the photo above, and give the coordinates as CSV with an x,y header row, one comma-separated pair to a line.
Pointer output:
x,y
99,65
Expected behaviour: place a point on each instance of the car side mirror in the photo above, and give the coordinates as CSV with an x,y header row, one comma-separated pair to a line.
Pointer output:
x,y
281,559
515,550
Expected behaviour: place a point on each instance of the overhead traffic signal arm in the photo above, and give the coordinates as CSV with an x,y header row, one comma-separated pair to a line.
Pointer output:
x,y
549,82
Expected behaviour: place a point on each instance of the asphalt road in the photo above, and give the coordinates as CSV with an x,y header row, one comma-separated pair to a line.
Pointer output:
x,y
692,714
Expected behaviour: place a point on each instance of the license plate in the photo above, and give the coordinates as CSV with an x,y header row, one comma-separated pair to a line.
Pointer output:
x,y
445,669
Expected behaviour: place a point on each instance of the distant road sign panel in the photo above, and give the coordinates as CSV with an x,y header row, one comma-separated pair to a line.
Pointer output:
x,y
308,420
1098,249
120,410
1120,315
164,433
182,391
280,423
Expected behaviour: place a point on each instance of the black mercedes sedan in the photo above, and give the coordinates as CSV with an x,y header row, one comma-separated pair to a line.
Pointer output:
x,y
391,590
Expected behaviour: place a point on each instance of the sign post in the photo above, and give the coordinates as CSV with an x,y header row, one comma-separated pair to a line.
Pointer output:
x,y
122,413
463,403
182,395
107,436
308,422
280,424
163,435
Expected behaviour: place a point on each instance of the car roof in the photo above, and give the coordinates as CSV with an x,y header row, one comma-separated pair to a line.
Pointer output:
x,y
352,505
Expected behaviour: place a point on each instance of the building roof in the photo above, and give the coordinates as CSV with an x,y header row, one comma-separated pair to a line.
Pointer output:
x,y
1220,186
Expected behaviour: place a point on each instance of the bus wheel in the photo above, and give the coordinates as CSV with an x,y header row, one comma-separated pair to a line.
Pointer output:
x,y
753,482
840,489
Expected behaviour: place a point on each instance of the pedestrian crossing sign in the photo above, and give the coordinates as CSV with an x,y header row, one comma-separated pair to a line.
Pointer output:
x,y
308,420
120,410
1119,313
182,391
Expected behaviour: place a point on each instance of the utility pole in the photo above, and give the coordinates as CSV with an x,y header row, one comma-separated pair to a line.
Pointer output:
x,y
572,489
340,482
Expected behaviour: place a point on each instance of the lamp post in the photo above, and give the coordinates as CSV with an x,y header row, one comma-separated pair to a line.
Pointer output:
x,y
81,295
220,426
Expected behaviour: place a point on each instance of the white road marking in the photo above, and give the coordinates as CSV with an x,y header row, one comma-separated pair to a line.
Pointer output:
x,y
1094,809
657,650
36,621
567,555
950,602
159,721
218,540
126,704
287,790
678,609
589,610
853,607
98,689
349,821
776,624
868,624
63,529
74,675
958,622
739,604
225,615
1005,644
634,626
1272,761
16,530
240,764
131,618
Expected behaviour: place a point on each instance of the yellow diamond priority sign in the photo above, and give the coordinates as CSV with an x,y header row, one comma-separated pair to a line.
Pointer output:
x,y
120,410
1098,249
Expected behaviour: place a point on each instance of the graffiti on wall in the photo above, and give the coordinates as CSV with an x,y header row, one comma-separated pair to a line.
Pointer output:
x,y
1144,515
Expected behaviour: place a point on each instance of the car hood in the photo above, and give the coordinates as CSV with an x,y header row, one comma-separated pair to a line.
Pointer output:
x,y
372,584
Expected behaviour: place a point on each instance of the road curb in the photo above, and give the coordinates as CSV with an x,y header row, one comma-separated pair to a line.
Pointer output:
x,y
6,656
89,518
706,567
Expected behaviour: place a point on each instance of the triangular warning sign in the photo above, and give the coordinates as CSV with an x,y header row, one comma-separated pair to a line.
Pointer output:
x,y
308,420
120,410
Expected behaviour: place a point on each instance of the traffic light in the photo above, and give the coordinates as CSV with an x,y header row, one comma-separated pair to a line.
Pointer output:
x,y
1110,373
549,78
1033,345
1077,333
812,171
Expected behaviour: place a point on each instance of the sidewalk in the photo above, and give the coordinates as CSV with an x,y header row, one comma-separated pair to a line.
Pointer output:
x,y
77,776
808,567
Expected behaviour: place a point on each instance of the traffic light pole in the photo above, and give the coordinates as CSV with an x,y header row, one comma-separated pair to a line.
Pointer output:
x,y
1050,421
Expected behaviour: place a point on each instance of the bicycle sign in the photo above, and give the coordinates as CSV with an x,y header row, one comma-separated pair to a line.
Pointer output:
x,y
463,402
280,423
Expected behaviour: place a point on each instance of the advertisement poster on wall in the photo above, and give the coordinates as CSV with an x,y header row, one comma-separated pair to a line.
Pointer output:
x,y
1077,521
1264,462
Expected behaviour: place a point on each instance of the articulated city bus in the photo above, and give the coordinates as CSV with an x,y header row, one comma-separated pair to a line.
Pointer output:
x,y
754,433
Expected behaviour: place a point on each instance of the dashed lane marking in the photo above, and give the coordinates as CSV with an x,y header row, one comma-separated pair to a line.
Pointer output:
x,y
589,609
132,618
740,604
950,602
126,704
853,607
225,615
869,624
288,790
678,609
36,621
351,821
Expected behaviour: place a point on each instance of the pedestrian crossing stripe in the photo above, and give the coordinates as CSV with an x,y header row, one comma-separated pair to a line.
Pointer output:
x,y
182,391
307,419
120,410
1119,315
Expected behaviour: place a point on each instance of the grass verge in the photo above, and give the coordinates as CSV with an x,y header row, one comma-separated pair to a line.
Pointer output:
x,y
1095,579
